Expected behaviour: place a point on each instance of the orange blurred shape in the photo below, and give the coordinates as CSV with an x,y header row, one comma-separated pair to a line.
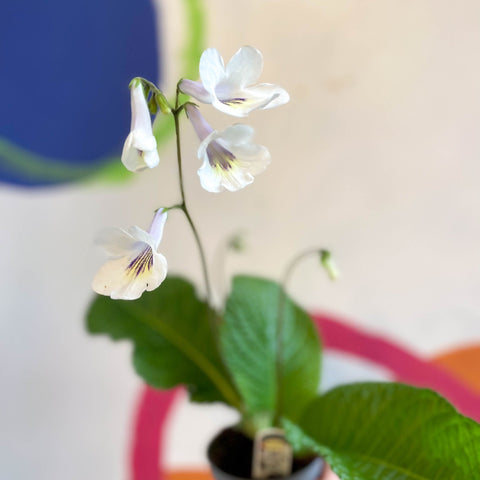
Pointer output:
x,y
188,475
464,364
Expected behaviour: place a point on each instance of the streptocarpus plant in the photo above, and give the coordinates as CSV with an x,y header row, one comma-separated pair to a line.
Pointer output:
x,y
260,353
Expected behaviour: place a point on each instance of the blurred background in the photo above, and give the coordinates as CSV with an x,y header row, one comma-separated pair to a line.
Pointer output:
x,y
376,157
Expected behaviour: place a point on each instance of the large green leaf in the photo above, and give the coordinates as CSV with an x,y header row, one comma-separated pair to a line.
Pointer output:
x,y
249,345
174,344
377,431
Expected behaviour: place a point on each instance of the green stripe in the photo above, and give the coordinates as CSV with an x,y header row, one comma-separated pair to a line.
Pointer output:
x,y
190,57
196,40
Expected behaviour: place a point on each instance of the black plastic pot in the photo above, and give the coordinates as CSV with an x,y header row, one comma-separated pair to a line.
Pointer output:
x,y
230,457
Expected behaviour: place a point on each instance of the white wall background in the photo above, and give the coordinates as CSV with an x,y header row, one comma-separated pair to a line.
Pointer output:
x,y
376,157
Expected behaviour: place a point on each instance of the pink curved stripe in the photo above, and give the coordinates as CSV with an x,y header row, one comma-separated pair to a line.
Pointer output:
x,y
338,335
147,443
154,406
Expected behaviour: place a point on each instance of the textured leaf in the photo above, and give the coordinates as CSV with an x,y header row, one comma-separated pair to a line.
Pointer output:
x,y
390,431
174,345
249,345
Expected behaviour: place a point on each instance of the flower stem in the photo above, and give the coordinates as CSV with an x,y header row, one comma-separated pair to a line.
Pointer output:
x,y
282,297
224,386
183,206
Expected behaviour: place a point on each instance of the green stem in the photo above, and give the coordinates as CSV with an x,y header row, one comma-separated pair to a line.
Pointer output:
x,y
280,325
183,206
293,263
225,387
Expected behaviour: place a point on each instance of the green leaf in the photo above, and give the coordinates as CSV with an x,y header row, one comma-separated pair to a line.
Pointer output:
x,y
173,342
376,431
249,344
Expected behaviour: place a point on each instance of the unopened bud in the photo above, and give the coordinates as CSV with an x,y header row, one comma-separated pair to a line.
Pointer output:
x,y
328,264
152,105
162,102
134,82
237,242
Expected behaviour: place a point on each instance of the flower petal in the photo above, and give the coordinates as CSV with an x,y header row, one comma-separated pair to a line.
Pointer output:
x,y
216,179
237,134
157,226
252,158
115,241
141,235
195,90
143,140
127,277
140,114
200,125
132,157
112,280
210,180
151,158
276,95
240,103
140,148
229,88
202,149
135,264
245,67
230,160
211,69
140,151
159,271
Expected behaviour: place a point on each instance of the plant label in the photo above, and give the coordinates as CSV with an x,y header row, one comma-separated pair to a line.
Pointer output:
x,y
272,454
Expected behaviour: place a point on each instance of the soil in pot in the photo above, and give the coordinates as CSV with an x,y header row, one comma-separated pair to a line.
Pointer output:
x,y
231,451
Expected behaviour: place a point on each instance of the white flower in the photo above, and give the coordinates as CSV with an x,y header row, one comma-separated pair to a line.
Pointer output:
x,y
230,160
134,264
140,149
230,89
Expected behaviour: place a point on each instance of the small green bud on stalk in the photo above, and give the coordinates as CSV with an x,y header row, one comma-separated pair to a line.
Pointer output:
x,y
237,242
157,98
328,264
162,102
152,105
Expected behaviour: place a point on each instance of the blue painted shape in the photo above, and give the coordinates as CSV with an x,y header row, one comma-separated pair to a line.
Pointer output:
x,y
64,73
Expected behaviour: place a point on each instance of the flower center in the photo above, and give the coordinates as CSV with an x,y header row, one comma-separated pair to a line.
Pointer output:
x,y
219,156
142,262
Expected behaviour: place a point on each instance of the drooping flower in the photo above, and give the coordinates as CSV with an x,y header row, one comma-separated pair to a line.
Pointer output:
x,y
140,148
231,89
134,264
230,160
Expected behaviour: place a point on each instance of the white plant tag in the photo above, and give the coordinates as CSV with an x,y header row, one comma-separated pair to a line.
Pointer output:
x,y
272,454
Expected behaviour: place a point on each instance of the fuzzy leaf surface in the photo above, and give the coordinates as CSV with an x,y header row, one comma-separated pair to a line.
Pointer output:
x,y
249,344
377,431
173,343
